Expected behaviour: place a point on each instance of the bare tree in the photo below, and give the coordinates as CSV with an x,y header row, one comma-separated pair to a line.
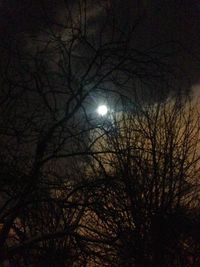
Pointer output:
x,y
49,92
148,201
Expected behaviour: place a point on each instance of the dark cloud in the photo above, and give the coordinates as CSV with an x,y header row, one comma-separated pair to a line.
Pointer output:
x,y
159,22
25,15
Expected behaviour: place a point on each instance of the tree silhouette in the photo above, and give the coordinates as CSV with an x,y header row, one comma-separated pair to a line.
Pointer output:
x,y
148,200
77,189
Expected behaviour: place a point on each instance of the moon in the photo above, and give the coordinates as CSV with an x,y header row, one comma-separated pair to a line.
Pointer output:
x,y
102,110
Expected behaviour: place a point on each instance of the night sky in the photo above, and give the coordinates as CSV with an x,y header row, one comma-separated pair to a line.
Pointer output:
x,y
75,183
166,23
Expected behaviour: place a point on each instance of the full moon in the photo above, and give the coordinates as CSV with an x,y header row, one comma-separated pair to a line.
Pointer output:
x,y
102,110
